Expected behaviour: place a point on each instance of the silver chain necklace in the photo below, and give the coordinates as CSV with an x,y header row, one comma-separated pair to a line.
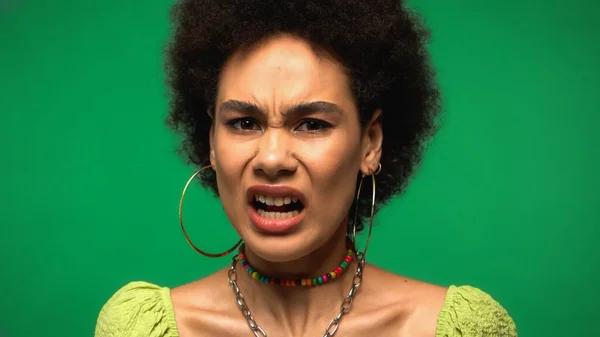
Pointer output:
x,y
333,324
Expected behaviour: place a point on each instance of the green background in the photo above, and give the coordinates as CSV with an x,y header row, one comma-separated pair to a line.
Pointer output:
x,y
506,199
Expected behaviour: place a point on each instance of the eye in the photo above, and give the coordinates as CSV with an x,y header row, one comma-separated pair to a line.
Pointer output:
x,y
244,124
313,125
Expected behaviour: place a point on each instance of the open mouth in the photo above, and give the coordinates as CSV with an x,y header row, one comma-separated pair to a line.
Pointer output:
x,y
277,207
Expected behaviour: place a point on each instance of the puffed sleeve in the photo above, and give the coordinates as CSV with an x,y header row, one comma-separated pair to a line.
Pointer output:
x,y
139,309
470,312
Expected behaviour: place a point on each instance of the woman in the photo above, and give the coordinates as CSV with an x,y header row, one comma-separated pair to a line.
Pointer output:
x,y
297,108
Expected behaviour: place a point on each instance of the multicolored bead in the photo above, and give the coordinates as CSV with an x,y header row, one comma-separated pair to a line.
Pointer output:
x,y
304,282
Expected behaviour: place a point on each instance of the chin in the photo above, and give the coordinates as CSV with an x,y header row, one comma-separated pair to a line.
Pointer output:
x,y
281,248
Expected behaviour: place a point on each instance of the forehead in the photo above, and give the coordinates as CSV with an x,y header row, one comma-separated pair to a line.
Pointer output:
x,y
282,70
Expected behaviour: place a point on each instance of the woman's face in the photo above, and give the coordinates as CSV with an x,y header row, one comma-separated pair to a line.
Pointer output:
x,y
287,146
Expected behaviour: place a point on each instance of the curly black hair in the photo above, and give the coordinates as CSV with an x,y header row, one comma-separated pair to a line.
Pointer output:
x,y
381,43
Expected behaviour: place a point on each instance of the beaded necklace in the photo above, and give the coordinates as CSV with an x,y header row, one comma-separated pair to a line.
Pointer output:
x,y
303,282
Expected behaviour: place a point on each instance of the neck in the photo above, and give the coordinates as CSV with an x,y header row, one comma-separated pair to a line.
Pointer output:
x,y
297,305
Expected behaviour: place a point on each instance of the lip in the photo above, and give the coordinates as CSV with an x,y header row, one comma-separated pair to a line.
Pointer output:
x,y
275,226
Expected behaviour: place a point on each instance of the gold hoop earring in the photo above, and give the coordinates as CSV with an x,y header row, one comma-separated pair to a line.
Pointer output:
x,y
378,169
361,255
227,252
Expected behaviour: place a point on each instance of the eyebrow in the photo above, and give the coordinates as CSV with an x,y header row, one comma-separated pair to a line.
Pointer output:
x,y
303,108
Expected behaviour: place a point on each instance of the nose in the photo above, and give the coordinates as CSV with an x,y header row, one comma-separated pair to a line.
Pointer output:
x,y
274,155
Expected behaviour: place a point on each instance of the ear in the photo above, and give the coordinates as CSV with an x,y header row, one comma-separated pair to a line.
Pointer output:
x,y
372,140
211,136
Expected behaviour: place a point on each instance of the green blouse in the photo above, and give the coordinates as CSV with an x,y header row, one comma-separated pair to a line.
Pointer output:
x,y
144,309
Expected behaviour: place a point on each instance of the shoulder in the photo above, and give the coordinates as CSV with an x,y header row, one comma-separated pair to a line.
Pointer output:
x,y
204,294
204,306
468,311
137,309
418,308
411,306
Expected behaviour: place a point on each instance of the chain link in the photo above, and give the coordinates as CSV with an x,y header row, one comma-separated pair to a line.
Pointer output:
x,y
333,325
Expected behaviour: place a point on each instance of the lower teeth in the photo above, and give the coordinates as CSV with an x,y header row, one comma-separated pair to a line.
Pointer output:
x,y
277,215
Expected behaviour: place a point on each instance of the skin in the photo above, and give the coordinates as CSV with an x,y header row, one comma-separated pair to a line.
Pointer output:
x,y
320,152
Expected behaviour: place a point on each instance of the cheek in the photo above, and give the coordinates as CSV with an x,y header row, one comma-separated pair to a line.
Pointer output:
x,y
329,160
231,153
230,162
332,167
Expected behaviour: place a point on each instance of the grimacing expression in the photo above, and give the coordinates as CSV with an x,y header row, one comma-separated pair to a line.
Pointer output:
x,y
285,116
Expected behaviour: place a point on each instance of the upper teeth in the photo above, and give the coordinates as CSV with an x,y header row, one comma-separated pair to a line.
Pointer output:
x,y
275,201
